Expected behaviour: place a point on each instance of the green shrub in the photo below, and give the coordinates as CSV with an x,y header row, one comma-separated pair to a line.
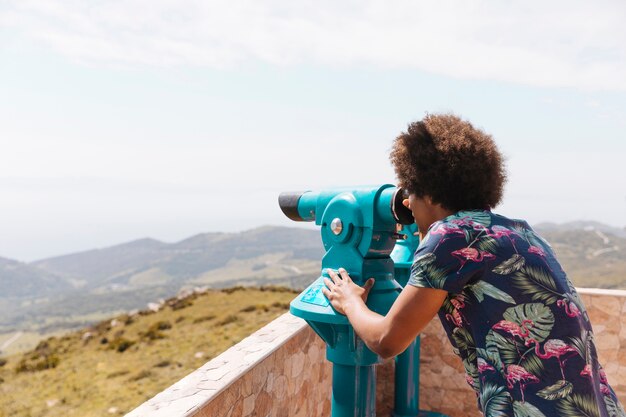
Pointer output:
x,y
164,363
161,325
277,288
256,307
48,362
154,331
117,373
231,318
141,375
152,334
121,344
103,327
177,304
43,362
44,356
204,318
42,347
233,289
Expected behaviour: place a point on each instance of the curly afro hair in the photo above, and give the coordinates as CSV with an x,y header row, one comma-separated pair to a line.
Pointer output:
x,y
446,158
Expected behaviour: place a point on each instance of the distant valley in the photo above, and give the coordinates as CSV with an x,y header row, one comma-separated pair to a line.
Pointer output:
x,y
81,288
592,254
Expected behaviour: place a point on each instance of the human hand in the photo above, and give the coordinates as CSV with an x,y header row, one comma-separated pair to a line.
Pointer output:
x,y
342,291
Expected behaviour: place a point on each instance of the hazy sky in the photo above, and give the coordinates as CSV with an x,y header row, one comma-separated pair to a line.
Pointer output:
x,y
136,118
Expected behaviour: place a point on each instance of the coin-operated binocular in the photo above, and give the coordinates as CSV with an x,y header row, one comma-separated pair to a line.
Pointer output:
x,y
407,369
359,232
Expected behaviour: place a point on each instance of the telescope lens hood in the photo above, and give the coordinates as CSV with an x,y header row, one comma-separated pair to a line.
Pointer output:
x,y
288,202
401,213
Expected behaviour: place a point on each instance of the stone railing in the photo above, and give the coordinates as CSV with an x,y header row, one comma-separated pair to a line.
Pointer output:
x,y
281,371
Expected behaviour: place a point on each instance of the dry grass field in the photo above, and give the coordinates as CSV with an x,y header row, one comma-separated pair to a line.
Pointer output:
x,y
110,368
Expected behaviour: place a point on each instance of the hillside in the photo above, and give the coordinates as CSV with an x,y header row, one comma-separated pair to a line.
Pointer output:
x,y
18,279
80,288
74,290
115,365
592,254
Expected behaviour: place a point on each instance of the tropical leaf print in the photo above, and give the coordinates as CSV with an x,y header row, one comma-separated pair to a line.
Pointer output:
x,y
537,283
614,409
455,302
526,409
470,368
532,238
578,405
575,298
495,400
465,343
583,344
512,352
531,362
513,264
447,305
483,288
428,275
481,217
487,244
471,375
540,316
492,357
468,235
425,259
560,389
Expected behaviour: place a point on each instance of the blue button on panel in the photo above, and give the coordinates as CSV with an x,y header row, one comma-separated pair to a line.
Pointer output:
x,y
315,296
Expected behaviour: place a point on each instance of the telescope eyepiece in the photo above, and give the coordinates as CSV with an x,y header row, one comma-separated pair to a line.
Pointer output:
x,y
288,202
401,213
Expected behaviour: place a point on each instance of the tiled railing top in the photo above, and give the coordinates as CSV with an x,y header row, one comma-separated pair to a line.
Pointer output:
x,y
602,291
189,394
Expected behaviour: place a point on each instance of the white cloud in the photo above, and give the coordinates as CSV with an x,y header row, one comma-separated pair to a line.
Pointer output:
x,y
558,43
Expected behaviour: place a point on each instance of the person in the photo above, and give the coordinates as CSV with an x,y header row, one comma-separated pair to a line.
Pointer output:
x,y
508,308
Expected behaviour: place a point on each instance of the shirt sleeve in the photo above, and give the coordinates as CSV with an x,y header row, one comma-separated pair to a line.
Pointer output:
x,y
447,261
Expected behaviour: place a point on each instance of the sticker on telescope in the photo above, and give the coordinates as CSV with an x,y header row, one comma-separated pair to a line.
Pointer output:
x,y
315,296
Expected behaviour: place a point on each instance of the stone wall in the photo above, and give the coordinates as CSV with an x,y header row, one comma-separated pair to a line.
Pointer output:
x,y
277,371
281,371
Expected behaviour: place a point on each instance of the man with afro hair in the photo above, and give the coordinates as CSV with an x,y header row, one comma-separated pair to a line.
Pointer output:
x,y
510,312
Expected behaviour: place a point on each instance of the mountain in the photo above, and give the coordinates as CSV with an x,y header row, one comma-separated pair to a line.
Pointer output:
x,y
80,288
135,263
76,289
95,266
592,254
586,225
18,279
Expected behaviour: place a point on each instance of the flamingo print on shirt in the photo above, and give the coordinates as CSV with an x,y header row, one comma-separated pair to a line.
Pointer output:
x,y
514,318
553,348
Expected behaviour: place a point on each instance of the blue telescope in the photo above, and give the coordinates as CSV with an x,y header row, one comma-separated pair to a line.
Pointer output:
x,y
359,228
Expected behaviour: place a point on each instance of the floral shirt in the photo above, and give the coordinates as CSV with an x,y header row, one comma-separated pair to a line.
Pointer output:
x,y
514,318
